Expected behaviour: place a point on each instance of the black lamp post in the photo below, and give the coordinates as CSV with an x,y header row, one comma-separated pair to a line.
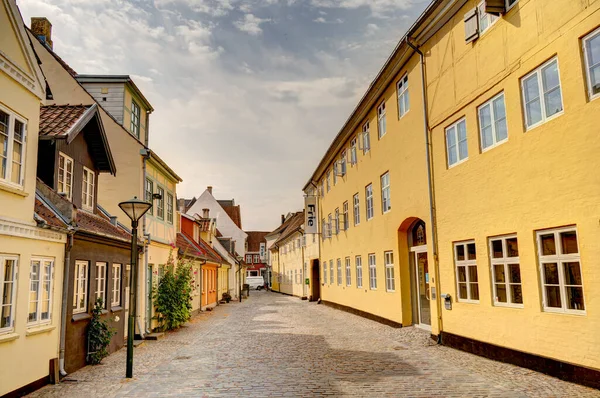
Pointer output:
x,y
135,209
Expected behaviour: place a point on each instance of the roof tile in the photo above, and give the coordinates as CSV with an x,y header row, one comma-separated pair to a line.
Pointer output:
x,y
56,120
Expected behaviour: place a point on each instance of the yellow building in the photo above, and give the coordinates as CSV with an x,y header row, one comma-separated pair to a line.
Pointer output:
x,y
31,249
499,156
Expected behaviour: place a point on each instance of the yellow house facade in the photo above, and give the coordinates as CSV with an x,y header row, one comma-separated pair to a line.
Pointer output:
x,y
31,252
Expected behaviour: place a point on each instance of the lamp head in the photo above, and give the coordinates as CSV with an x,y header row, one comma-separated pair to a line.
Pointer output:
x,y
135,208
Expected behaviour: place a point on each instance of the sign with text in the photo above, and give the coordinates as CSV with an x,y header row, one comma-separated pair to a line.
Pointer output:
x,y
310,215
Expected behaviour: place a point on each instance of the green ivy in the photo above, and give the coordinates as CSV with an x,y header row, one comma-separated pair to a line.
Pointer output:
x,y
173,296
99,335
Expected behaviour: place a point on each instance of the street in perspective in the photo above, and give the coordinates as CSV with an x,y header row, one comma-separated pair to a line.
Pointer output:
x,y
234,198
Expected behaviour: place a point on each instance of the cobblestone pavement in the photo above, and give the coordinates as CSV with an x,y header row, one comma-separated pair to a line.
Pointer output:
x,y
274,345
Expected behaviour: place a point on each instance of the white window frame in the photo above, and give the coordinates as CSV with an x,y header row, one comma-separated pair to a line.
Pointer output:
x,y
481,14
80,287
339,271
381,120
504,261
10,136
337,220
116,285
359,274
262,250
348,272
149,194
135,119
366,138
346,224
369,201
538,73
386,196
256,258
101,282
325,272
466,263
509,6
594,35
331,272
160,203
372,271
3,285
559,258
328,180
390,276
170,204
329,225
490,104
453,129
403,97
356,208
87,191
65,186
343,160
353,152
249,258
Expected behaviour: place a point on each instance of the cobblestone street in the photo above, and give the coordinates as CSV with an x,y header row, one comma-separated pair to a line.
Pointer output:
x,y
274,345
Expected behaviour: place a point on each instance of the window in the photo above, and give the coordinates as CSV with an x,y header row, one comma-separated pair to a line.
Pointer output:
x,y
339,272
510,3
465,259
149,193
303,240
366,138
65,175
456,143
485,20
560,270
322,188
348,272
403,102
343,164
386,200
135,119
324,272
372,272
369,200
506,271
323,229
101,283
80,287
160,203
331,272
170,208
353,153
358,264
329,225
8,289
390,280
337,220
12,148
492,122
328,181
116,285
262,250
381,124
296,276
591,49
87,196
542,96
335,172
346,222
248,258
356,202
256,258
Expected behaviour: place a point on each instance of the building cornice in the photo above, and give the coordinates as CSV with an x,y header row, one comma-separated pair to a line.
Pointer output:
x,y
28,231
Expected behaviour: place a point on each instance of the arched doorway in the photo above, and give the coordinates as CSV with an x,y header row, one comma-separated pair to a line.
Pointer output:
x,y
420,274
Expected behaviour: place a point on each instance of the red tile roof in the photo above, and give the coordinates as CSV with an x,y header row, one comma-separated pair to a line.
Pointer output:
x,y
56,120
234,213
98,225
255,238
48,215
291,225
187,247
212,254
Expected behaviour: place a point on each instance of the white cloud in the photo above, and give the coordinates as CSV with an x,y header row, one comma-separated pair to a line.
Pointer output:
x,y
250,24
379,8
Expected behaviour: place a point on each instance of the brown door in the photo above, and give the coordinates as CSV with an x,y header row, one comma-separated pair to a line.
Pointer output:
x,y
315,281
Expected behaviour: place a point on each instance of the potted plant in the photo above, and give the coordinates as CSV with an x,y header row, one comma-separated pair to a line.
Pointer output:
x,y
227,297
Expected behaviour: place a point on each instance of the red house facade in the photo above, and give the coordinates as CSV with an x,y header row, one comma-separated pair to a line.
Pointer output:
x,y
256,254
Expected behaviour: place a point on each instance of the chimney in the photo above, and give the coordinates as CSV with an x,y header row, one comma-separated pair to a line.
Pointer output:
x,y
205,213
282,219
181,205
42,29
209,189
113,220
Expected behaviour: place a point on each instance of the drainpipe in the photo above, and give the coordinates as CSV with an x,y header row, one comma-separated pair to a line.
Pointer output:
x,y
65,301
302,237
320,236
145,156
432,209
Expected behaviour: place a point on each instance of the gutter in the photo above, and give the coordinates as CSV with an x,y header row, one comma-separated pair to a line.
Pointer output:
x,y
145,156
65,301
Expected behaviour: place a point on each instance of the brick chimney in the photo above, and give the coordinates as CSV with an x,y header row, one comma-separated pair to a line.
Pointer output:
x,y
282,219
209,189
205,213
42,29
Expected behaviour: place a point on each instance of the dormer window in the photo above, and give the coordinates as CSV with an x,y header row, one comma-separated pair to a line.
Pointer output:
x,y
87,195
65,175
12,148
135,119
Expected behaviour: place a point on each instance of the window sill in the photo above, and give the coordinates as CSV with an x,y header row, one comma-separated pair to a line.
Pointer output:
x,y
465,301
560,311
496,145
4,186
117,308
505,305
8,337
39,330
450,166
82,316
544,121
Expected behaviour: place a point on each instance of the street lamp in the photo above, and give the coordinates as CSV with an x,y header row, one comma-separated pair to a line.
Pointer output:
x,y
135,209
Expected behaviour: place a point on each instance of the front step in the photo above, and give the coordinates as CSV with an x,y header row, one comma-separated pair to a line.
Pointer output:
x,y
155,336
138,343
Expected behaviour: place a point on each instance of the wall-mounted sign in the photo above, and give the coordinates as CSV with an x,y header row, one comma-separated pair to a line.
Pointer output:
x,y
310,215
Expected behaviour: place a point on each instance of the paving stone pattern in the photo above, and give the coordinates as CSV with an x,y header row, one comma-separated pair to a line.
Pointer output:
x,y
275,345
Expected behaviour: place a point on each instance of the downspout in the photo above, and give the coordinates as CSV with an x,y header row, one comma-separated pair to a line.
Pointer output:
x,y
320,235
432,209
65,300
145,157
303,237
200,279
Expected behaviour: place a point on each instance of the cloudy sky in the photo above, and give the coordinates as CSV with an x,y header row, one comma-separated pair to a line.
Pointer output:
x,y
248,94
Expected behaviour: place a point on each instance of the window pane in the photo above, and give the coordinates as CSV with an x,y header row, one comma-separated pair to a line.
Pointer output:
x,y
531,88
514,273
471,251
462,290
553,102
499,273
462,274
548,245
568,242
463,151
497,249
485,122
501,293
553,297
534,112
487,137
474,291
460,252
512,247
550,76
575,298
450,136
593,50
572,273
473,273
595,78
452,155
551,274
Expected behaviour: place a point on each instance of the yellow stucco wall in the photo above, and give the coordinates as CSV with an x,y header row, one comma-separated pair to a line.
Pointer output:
x,y
540,178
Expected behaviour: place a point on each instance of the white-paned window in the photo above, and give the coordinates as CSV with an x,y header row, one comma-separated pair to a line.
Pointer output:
x,y
485,20
348,272
346,222
12,148
369,201
329,225
492,122
358,264
456,143
262,250
65,175
343,164
248,258
506,271
335,173
135,119
101,282
386,199
465,259
356,205
542,94
353,153
560,269
324,271
8,290
160,203
372,272
390,279
148,193
323,229
337,220
40,291
331,272
170,208
366,138
403,101
116,285
339,271
256,258
80,288
328,181
381,122
87,195
591,49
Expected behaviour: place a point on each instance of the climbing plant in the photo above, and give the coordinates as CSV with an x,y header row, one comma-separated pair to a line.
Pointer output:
x,y
173,296
99,335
